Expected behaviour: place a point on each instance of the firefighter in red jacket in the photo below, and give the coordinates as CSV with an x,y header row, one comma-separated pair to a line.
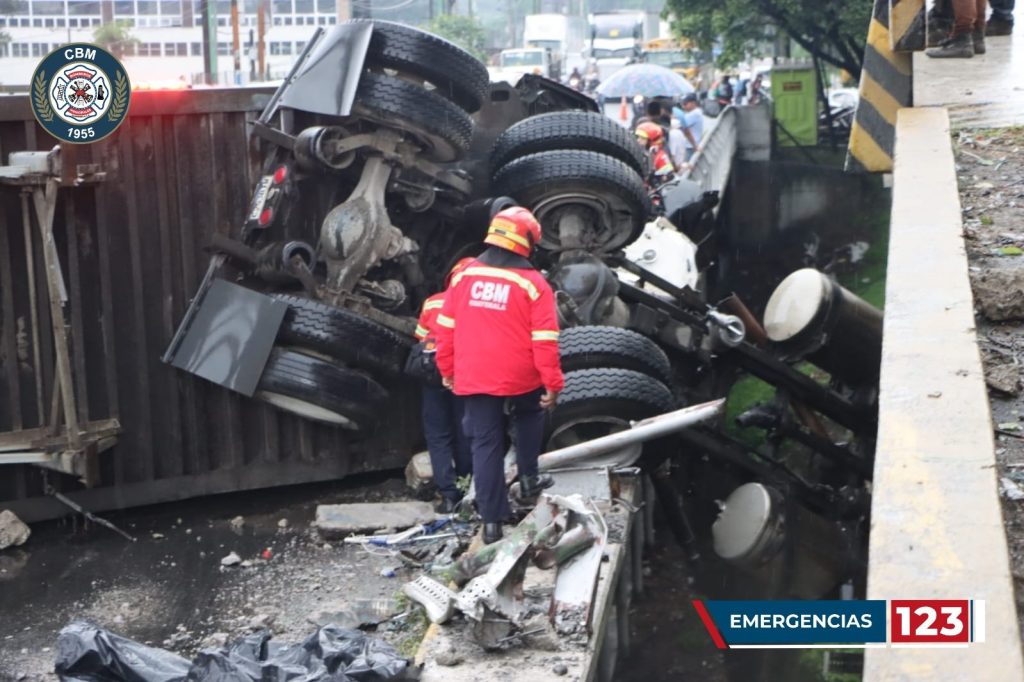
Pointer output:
x,y
497,345
652,137
447,444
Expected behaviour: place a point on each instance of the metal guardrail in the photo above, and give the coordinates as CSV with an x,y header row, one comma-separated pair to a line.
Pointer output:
x,y
712,165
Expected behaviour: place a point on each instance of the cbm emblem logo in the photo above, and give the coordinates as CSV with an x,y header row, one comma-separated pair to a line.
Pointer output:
x,y
80,93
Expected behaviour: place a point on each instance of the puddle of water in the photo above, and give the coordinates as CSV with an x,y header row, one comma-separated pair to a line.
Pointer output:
x,y
172,574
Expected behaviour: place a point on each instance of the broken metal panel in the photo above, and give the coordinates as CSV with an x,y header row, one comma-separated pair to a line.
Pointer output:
x,y
593,483
575,586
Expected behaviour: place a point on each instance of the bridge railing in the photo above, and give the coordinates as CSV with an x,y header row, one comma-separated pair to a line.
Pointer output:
x,y
712,164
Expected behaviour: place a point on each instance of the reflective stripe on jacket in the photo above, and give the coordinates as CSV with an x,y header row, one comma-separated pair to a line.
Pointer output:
x,y
426,326
497,333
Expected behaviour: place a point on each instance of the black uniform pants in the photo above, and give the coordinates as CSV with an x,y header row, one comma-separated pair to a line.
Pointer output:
x,y
485,422
447,442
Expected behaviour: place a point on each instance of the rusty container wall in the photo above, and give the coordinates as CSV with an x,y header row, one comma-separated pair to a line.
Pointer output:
x,y
131,248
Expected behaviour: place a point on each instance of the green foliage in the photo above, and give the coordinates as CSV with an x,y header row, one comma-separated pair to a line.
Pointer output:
x,y
832,30
466,32
114,37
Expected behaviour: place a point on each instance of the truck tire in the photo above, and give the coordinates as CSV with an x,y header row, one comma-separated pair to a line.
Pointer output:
x,y
586,130
455,74
342,334
600,346
440,125
596,402
623,393
320,390
611,195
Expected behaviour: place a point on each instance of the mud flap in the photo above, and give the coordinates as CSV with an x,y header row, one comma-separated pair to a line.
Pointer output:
x,y
230,333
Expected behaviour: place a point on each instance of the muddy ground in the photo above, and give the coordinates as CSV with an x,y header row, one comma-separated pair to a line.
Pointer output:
x,y
990,168
169,589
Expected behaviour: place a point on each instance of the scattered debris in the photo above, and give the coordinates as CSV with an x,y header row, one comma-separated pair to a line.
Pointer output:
x,y
283,523
261,621
449,657
1010,489
1000,293
419,475
63,499
438,600
238,523
13,531
1002,371
231,560
362,612
567,533
338,520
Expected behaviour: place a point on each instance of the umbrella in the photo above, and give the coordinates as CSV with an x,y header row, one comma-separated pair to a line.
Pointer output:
x,y
649,80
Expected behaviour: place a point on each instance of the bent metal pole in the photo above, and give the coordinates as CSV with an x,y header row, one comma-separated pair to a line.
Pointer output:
x,y
647,429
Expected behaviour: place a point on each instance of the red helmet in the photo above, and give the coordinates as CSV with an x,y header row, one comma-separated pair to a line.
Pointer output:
x,y
514,229
459,266
649,132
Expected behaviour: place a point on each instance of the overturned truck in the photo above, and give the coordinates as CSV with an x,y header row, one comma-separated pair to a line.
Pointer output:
x,y
391,151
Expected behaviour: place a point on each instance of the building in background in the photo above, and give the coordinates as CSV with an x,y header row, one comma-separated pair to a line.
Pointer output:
x,y
169,35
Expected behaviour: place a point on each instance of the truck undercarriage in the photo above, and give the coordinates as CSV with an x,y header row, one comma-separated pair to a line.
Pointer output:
x,y
391,151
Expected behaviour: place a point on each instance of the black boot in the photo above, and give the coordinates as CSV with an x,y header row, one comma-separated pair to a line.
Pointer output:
x,y
530,486
492,533
939,28
955,47
999,26
447,505
978,38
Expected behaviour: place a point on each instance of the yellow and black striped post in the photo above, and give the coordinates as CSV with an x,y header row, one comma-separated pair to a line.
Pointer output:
x,y
885,87
906,25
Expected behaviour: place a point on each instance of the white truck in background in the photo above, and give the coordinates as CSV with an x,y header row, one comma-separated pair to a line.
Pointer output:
x,y
617,38
563,35
513,64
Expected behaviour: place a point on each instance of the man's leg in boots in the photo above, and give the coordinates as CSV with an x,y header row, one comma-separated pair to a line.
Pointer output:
x,y
484,423
440,430
529,417
960,44
1001,21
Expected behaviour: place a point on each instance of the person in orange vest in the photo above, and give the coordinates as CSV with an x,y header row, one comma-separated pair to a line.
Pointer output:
x,y
442,411
652,137
497,345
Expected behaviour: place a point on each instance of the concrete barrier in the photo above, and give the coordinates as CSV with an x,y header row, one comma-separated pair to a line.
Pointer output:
x,y
937,528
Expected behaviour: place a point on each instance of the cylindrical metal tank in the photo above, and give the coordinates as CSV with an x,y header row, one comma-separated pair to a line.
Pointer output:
x,y
784,543
810,316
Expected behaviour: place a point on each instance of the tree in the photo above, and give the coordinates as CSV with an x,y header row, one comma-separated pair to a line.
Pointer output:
x,y
466,32
114,37
834,31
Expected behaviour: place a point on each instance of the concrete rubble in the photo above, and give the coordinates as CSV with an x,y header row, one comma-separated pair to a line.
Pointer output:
x,y
338,520
999,293
13,531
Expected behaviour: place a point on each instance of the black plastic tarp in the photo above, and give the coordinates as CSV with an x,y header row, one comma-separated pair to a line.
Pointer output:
x,y
89,653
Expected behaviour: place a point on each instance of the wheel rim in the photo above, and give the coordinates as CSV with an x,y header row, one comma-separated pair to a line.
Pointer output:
x,y
587,428
611,217
307,409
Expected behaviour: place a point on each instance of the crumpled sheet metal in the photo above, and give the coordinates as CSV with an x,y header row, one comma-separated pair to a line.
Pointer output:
x,y
576,583
89,653
560,529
